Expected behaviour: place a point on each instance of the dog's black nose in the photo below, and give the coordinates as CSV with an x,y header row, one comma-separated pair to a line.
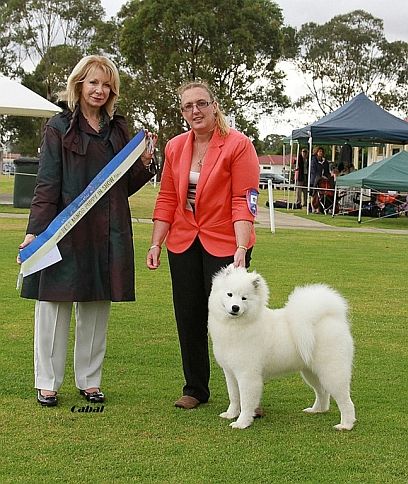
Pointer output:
x,y
235,308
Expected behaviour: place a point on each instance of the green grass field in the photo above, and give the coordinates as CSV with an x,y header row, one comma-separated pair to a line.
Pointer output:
x,y
142,437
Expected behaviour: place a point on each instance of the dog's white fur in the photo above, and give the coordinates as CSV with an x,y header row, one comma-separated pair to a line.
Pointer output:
x,y
253,343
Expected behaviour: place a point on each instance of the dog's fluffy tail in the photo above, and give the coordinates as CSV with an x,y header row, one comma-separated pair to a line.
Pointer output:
x,y
309,305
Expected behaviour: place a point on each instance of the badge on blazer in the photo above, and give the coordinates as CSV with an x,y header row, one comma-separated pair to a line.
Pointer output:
x,y
252,200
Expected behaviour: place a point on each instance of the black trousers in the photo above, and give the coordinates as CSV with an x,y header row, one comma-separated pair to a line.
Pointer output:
x,y
191,275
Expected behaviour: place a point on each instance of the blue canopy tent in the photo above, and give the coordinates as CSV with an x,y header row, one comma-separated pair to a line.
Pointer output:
x,y
388,174
359,122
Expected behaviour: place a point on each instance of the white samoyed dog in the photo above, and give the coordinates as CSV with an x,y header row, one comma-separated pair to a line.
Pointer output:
x,y
253,343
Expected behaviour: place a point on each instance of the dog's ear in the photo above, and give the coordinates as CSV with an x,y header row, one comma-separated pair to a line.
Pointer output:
x,y
257,280
261,287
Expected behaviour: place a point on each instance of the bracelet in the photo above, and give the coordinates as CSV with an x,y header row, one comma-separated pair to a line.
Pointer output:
x,y
242,247
154,246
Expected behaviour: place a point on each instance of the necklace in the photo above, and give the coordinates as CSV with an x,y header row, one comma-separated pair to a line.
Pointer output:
x,y
201,155
97,124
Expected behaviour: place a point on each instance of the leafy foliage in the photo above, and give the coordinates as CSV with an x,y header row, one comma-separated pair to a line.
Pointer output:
x,y
232,44
53,35
272,144
235,45
9,58
34,26
51,73
348,55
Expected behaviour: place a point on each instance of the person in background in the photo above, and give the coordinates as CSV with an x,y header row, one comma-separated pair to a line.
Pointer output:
x,y
301,178
322,180
205,213
97,254
319,167
345,158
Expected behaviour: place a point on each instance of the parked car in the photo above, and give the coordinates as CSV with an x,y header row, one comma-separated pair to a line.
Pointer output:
x,y
275,177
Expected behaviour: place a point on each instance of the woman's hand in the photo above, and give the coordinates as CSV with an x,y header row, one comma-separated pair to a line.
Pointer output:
x,y
151,141
242,229
160,229
153,257
239,257
27,240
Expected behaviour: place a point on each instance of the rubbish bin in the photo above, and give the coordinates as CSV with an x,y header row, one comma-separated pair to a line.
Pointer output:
x,y
24,181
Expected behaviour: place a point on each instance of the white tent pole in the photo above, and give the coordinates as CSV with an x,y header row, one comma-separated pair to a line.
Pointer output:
x,y
355,157
308,175
284,166
271,207
334,200
360,206
290,172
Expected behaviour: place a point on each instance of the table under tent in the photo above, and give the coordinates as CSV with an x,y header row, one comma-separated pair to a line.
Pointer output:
x,y
358,123
379,179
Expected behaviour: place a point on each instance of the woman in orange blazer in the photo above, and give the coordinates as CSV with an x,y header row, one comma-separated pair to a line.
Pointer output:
x,y
205,212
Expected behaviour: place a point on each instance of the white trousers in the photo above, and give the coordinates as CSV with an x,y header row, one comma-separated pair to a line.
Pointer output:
x,y
51,332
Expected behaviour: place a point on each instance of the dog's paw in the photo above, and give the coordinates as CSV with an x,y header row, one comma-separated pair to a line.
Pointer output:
x,y
343,426
241,424
229,415
314,410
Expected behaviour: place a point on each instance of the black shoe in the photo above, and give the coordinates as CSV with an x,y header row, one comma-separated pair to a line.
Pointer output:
x,y
93,397
50,401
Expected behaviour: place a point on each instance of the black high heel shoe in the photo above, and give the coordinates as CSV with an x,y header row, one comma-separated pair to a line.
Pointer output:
x,y
93,397
50,401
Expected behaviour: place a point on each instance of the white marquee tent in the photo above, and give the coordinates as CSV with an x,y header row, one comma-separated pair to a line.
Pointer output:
x,y
18,100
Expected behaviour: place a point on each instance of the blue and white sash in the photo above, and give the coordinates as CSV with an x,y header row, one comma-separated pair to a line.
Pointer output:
x,y
43,251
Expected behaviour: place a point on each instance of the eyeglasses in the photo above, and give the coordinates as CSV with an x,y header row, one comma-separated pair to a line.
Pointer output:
x,y
199,105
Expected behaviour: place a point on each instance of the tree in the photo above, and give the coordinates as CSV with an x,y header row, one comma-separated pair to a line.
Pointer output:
x,y
51,73
272,144
9,58
53,35
232,44
348,55
34,26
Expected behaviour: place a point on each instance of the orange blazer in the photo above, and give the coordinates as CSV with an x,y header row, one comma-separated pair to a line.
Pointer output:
x,y
230,171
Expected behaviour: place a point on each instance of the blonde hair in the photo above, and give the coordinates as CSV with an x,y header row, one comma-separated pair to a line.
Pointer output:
x,y
220,120
79,73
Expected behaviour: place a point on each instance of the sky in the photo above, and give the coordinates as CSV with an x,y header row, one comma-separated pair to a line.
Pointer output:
x,y
394,13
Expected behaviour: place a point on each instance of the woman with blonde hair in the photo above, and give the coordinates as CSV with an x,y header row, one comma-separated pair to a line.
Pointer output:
x,y
205,212
97,254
